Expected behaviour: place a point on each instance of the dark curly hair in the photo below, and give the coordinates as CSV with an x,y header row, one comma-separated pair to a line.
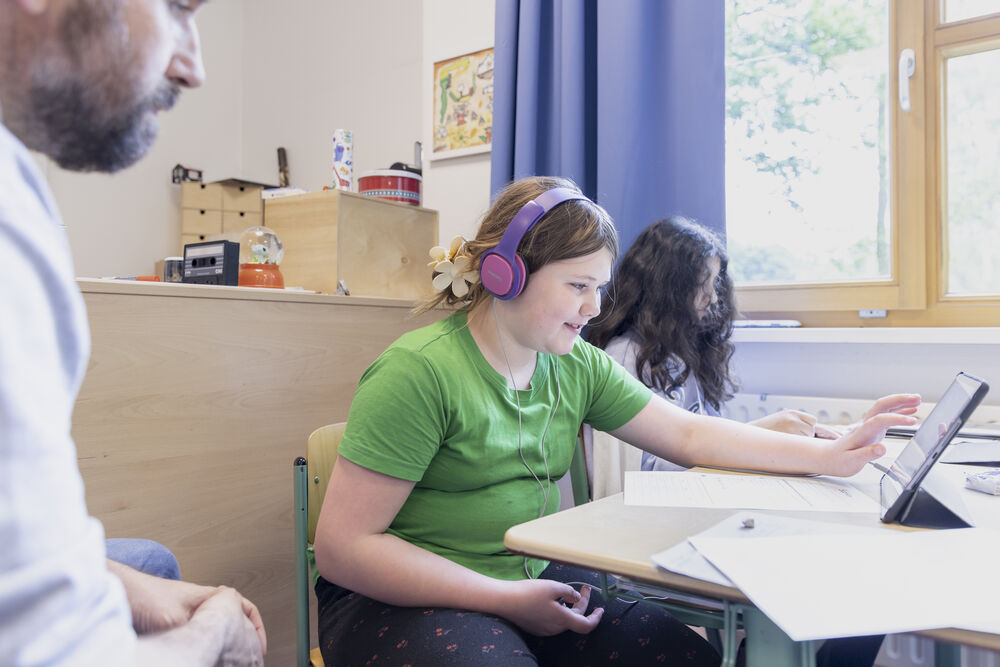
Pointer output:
x,y
651,299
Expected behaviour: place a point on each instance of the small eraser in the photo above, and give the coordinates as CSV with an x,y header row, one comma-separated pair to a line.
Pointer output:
x,y
987,482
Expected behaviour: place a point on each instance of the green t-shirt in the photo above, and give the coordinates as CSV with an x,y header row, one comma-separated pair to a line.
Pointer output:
x,y
433,411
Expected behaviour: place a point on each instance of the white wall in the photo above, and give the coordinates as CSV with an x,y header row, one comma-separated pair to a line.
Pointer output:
x,y
287,74
865,363
313,66
459,188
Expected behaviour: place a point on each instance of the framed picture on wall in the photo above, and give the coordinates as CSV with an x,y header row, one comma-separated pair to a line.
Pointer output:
x,y
462,123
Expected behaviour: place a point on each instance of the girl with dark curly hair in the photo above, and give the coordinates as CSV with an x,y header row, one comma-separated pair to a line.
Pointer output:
x,y
669,311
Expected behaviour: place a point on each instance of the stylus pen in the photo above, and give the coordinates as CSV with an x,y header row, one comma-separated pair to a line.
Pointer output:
x,y
879,466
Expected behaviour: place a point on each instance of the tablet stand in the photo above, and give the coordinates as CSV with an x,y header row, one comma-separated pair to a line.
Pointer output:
x,y
935,504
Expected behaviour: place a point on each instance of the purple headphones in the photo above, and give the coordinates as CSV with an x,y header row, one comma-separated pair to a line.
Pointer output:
x,y
501,269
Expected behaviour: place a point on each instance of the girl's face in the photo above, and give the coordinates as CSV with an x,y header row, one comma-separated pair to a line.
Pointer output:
x,y
705,296
558,301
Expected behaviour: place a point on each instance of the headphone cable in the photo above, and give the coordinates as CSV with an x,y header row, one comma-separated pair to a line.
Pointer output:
x,y
546,490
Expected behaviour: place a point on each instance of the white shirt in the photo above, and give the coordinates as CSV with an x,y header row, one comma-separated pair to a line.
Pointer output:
x,y
58,603
609,458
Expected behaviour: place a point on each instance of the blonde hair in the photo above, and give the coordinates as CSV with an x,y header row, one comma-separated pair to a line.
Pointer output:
x,y
572,229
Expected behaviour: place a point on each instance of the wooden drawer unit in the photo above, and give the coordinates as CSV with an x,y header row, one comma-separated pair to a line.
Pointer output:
x,y
201,196
201,221
190,238
224,207
240,196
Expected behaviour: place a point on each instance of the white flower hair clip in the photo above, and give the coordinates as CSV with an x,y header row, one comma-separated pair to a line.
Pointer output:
x,y
452,267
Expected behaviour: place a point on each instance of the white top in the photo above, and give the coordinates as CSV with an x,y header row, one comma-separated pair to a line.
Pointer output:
x,y
608,458
59,605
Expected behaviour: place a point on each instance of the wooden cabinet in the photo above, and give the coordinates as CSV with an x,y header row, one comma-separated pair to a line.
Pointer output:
x,y
377,247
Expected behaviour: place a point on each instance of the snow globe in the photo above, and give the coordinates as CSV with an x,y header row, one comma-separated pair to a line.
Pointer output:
x,y
261,252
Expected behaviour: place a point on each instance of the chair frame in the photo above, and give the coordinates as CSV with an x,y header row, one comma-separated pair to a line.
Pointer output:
x,y
301,530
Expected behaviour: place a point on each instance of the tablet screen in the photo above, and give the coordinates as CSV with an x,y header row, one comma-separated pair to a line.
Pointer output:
x,y
932,437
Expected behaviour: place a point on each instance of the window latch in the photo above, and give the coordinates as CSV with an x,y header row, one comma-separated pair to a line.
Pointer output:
x,y
907,65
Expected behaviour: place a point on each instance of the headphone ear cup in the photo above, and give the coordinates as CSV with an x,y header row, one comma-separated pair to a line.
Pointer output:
x,y
520,278
497,274
501,270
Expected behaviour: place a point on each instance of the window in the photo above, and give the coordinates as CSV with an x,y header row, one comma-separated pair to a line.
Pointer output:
x,y
807,92
839,198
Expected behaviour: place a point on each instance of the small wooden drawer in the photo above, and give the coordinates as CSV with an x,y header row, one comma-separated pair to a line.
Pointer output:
x,y
201,221
239,221
201,195
241,197
191,238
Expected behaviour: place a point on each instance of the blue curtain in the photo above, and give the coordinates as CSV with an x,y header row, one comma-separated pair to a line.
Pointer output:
x,y
625,97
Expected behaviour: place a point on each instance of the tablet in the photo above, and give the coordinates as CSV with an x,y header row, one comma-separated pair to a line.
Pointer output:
x,y
900,485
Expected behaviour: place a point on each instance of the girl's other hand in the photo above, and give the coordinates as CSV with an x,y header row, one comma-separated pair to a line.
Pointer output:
x,y
795,422
828,432
902,404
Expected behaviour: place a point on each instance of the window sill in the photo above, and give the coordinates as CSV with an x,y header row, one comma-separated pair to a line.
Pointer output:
x,y
873,335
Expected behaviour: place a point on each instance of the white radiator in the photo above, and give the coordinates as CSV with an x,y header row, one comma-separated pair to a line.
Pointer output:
x,y
746,407
897,650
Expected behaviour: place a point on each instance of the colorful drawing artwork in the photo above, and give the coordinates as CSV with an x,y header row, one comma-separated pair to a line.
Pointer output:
x,y
463,103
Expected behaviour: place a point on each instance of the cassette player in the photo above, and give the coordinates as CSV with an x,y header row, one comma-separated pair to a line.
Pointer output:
x,y
212,263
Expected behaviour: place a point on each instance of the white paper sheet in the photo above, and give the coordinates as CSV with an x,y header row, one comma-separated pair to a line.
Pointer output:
x,y
764,492
985,452
823,586
685,559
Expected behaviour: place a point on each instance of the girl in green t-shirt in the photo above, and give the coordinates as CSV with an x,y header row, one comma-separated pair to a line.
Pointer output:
x,y
458,431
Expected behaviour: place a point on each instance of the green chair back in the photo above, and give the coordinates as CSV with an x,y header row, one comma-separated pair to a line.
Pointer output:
x,y
311,477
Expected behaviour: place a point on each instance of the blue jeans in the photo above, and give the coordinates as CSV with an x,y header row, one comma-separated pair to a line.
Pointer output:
x,y
144,555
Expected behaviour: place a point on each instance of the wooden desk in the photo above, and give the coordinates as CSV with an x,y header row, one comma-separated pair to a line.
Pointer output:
x,y
608,536
196,402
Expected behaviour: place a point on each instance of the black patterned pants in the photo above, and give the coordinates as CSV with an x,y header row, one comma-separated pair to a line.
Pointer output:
x,y
356,630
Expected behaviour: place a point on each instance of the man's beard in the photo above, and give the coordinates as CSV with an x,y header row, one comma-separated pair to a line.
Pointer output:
x,y
81,136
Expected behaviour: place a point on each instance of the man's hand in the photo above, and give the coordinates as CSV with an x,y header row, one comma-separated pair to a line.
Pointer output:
x,y
250,610
232,615
161,604
158,604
